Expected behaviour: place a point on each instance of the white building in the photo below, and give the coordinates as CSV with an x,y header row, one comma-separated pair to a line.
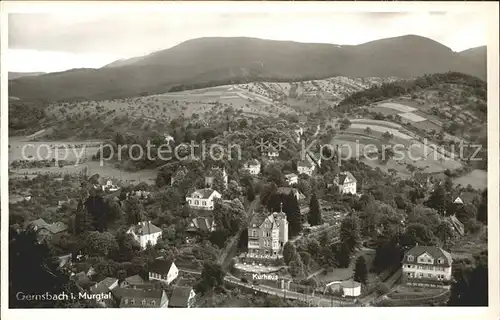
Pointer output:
x,y
351,288
109,186
163,270
145,232
203,199
252,166
345,182
305,167
426,264
291,178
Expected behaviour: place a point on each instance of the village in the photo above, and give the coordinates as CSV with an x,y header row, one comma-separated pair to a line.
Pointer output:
x,y
303,227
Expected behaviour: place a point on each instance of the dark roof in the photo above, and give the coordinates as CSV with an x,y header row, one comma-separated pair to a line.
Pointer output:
x,y
103,286
134,280
139,298
180,296
160,266
145,227
435,252
202,223
342,177
258,218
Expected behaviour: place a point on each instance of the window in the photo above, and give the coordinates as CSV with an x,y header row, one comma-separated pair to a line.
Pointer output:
x,y
153,303
410,258
204,203
440,260
254,233
144,302
196,202
189,201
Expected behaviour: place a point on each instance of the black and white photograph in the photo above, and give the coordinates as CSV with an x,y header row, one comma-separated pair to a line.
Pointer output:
x,y
234,158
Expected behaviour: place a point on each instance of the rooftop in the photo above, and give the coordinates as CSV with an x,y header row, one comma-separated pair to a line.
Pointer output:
x,y
180,296
145,228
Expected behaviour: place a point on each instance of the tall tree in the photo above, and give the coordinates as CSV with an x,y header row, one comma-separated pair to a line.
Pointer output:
x,y
482,210
83,220
350,234
212,277
360,270
314,216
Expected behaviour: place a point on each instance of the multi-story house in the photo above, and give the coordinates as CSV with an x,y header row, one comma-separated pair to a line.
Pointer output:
x,y
145,232
212,174
203,199
345,182
291,178
252,166
426,264
267,234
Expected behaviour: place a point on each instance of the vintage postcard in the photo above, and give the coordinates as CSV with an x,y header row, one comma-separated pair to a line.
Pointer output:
x,y
301,157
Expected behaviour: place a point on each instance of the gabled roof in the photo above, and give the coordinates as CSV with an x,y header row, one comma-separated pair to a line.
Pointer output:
x,y
57,227
343,176
145,228
160,266
202,193
135,280
290,175
38,223
180,296
203,223
138,298
433,251
287,190
103,286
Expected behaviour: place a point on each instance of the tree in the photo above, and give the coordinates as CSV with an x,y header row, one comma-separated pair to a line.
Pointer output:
x,y
99,244
289,253
314,215
360,270
417,233
471,282
387,136
83,220
212,277
349,233
482,210
368,130
438,200
344,124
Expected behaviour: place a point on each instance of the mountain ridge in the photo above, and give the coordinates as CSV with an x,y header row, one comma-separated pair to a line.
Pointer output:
x,y
220,60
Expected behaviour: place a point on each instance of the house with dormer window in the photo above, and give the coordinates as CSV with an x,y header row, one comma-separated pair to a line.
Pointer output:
x,y
267,234
427,265
203,199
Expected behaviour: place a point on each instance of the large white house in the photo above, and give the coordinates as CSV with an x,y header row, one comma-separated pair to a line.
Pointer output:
x,y
145,232
203,199
163,270
426,264
252,166
345,182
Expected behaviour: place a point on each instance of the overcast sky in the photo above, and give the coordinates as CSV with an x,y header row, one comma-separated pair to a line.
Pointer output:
x,y
56,42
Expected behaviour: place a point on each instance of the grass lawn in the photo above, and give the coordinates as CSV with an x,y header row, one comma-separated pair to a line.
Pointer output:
x,y
478,179
407,292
